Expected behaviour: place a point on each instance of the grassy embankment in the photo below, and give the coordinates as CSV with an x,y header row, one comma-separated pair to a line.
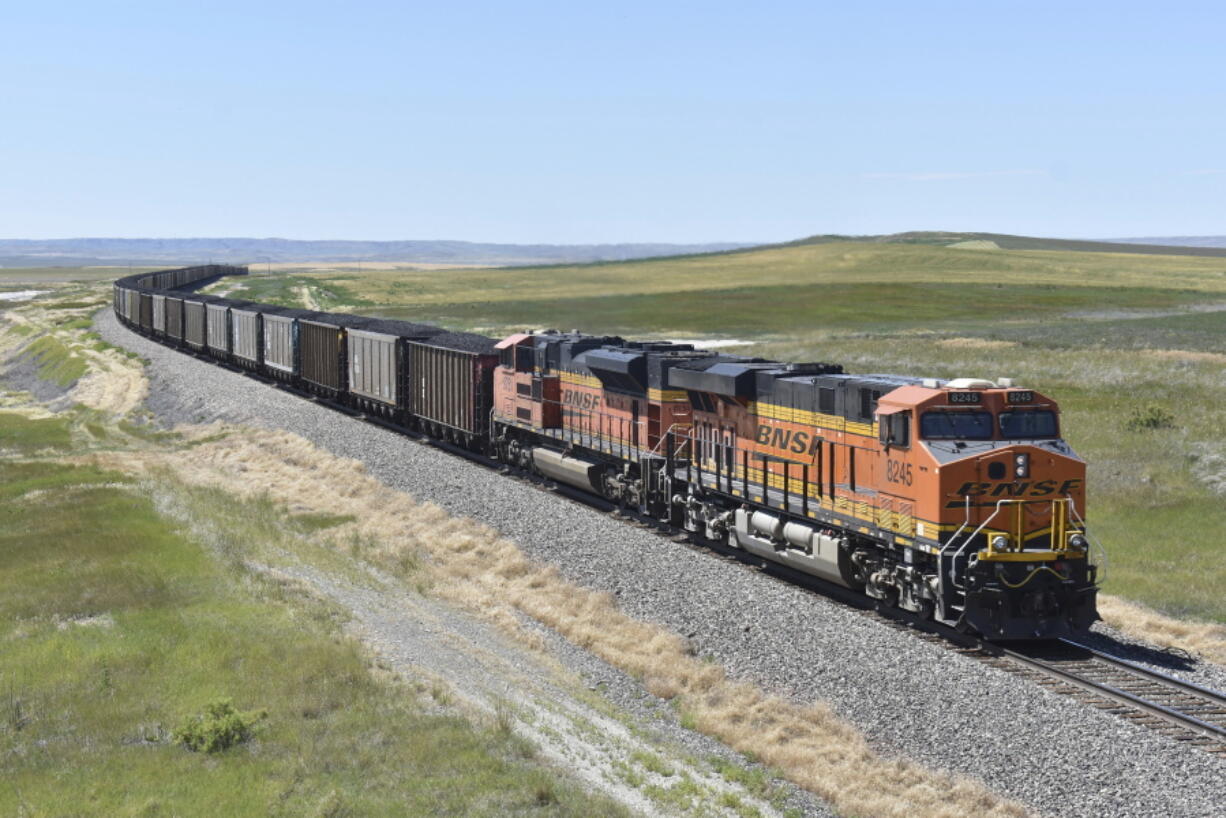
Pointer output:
x,y
118,622
1108,334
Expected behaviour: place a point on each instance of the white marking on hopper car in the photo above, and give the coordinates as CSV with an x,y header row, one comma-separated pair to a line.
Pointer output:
x,y
21,295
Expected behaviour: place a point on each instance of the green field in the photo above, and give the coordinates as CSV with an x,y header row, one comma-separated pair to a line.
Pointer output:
x,y
1108,334
130,602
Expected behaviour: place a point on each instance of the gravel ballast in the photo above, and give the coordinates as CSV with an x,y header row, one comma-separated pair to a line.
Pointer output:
x,y
910,698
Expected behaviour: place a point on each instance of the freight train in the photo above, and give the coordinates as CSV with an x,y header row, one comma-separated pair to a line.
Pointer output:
x,y
957,500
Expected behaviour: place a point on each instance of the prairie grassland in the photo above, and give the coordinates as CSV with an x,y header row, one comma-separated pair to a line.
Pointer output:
x,y
1107,334
118,627
834,263
117,623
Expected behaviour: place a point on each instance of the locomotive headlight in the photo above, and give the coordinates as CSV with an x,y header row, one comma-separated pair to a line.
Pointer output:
x,y
1021,464
1000,543
1078,542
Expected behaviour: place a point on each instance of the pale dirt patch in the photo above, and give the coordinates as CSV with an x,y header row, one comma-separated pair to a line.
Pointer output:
x,y
471,564
975,343
1188,355
974,244
1204,638
103,620
114,383
307,297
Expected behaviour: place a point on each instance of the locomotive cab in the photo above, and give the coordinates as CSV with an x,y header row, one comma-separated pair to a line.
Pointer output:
x,y
1002,500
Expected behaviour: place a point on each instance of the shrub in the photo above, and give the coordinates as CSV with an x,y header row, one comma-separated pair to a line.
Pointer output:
x,y
1148,419
218,728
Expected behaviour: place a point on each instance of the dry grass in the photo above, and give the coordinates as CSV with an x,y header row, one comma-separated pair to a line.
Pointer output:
x,y
114,384
1187,355
975,343
470,563
1203,638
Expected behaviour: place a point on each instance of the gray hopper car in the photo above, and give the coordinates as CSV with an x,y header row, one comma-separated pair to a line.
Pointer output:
x,y
280,352
374,368
246,337
377,362
193,323
218,329
145,317
174,317
159,313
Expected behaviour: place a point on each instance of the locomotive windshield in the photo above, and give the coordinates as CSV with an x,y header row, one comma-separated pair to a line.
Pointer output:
x,y
956,426
1028,425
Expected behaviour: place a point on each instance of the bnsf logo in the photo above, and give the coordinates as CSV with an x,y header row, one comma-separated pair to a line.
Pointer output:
x,y
580,400
1024,488
787,440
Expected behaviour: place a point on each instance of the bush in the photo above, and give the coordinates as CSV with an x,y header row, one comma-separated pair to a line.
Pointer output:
x,y
218,728
1148,419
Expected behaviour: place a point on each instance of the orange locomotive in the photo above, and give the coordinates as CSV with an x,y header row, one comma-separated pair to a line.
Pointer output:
x,y
955,500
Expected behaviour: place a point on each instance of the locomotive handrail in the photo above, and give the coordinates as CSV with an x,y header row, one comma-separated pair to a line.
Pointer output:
x,y
961,528
664,437
1093,540
1058,522
975,533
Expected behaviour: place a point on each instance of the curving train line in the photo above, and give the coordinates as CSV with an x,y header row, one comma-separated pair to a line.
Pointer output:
x,y
576,413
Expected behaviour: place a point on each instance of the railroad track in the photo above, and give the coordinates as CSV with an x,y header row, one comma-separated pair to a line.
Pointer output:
x,y
1180,710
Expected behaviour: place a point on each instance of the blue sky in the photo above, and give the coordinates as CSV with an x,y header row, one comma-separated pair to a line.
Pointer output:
x,y
610,122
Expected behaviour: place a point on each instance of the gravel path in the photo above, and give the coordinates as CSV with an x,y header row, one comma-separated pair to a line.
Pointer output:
x,y
909,697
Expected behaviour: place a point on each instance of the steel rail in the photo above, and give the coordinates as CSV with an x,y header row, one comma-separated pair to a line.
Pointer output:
x,y
1110,689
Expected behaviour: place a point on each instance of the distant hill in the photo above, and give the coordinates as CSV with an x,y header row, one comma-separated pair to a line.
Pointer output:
x,y
150,252
1005,241
1180,241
